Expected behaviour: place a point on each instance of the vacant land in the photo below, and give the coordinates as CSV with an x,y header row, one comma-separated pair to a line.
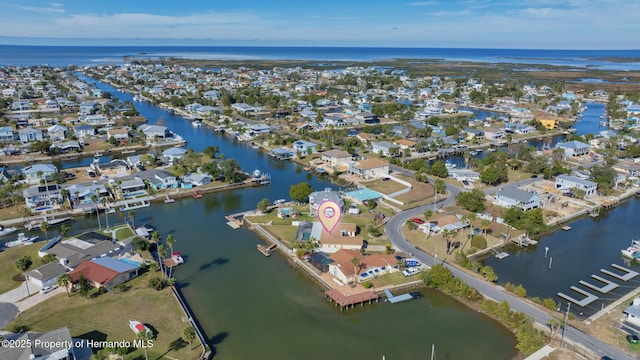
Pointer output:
x,y
8,274
106,317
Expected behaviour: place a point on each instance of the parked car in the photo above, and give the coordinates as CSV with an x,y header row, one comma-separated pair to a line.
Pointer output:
x,y
48,289
417,220
633,339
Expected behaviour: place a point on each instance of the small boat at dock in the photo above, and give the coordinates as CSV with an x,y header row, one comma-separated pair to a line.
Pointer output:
x,y
134,205
196,195
6,231
266,250
22,240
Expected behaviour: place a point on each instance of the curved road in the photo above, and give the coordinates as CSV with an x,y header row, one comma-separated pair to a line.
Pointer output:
x,y
393,230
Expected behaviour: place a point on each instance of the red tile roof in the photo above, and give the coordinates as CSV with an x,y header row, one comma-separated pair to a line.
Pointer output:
x,y
93,272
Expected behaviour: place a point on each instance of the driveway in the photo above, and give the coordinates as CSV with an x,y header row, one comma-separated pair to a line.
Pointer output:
x,y
19,293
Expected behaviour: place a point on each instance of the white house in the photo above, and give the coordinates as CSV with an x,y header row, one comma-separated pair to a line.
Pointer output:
x,y
36,172
464,175
337,158
633,312
574,148
511,196
369,168
318,197
173,154
41,195
153,131
385,148
304,147
566,183
6,134
57,132
343,269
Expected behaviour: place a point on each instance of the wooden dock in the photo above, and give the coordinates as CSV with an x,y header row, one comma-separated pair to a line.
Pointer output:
x,y
344,301
196,195
266,250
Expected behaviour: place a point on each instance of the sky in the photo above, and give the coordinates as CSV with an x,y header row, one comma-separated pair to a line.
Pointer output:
x,y
525,24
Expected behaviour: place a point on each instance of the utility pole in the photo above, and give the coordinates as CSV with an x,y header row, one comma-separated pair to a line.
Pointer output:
x,y
564,326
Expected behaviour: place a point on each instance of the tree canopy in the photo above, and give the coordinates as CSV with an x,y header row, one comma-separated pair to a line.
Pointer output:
x,y
471,200
300,192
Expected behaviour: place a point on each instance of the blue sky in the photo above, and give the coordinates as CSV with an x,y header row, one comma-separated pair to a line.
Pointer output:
x,y
544,24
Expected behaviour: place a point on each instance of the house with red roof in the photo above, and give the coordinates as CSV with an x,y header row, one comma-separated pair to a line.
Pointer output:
x,y
105,272
367,267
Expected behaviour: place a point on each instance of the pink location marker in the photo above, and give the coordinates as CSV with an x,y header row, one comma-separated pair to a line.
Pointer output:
x,y
329,214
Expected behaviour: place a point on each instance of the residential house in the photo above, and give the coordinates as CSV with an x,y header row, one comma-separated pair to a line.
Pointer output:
x,y
98,120
65,146
174,154
258,129
385,148
6,134
84,130
105,272
364,137
33,174
511,196
51,345
116,167
627,169
163,180
243,108
516,128
305,147
464,175
343,269
567,183
47,274
212,95
151,132
406,144
343,236
30,134
83,193
318,197
42,196
369,168
133,187
367,118
338,159
197,179
493,133
633,312
472,134
574,148
119,134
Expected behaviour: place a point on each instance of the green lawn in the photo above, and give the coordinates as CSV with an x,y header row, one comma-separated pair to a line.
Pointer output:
x,y
8,264
395,278
124,233
107,316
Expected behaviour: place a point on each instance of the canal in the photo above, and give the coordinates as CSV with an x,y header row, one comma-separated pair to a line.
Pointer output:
x,y
253,307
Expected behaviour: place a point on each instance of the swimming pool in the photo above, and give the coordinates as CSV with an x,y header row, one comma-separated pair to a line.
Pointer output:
x,y
129,261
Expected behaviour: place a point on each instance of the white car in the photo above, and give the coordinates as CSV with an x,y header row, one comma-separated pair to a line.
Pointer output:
x,y
48,289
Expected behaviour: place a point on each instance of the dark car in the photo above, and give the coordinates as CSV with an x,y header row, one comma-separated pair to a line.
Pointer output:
x,y
633,339
534,176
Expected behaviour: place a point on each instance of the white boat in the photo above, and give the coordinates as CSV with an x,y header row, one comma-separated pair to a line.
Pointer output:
x,y
177,258
6,231
633,251
138,327
450,165
22,240
135,205
196,123
257,173
52,221
473,153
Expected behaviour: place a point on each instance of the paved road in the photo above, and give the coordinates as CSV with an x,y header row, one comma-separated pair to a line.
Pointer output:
x,y
393,230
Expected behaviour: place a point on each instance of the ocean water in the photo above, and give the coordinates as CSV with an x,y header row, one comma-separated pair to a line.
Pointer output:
x,y
92,55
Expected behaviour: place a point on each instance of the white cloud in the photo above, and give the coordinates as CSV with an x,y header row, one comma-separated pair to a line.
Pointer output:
x,y
422,3
53,8
451,13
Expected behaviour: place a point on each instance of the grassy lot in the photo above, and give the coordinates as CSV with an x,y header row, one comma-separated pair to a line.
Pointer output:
x,y
384,187
124,232
286,233
395,278
8,264
106,318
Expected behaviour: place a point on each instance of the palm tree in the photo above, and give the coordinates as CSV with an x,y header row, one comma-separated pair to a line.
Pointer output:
x,y
64,280
44,227
170,241
356,264
145,336
94,200
189,334
162,254
22,265
485,225
155,236
64,230
132,216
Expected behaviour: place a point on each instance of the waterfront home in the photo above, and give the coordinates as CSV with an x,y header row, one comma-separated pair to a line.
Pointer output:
x,y
385,148
287,213
318,197
566,183
47,274
119,134
371,266
133,187
57,132
88,107
573,148
258,129
6,134
211,95
65,147
464,175
343,236
116,167
334,120
511,196
305,147
30,134
471,134
406,144
364,137
98,120
627,169
91,245
516,128
52,345
82,193
34,174
633,312
174,154
84,130
369,168
105,272
243,108
197,179
45,196
337,159
162,180
151,132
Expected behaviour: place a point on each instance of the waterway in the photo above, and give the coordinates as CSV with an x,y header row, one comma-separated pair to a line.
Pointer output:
x,y
253,307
